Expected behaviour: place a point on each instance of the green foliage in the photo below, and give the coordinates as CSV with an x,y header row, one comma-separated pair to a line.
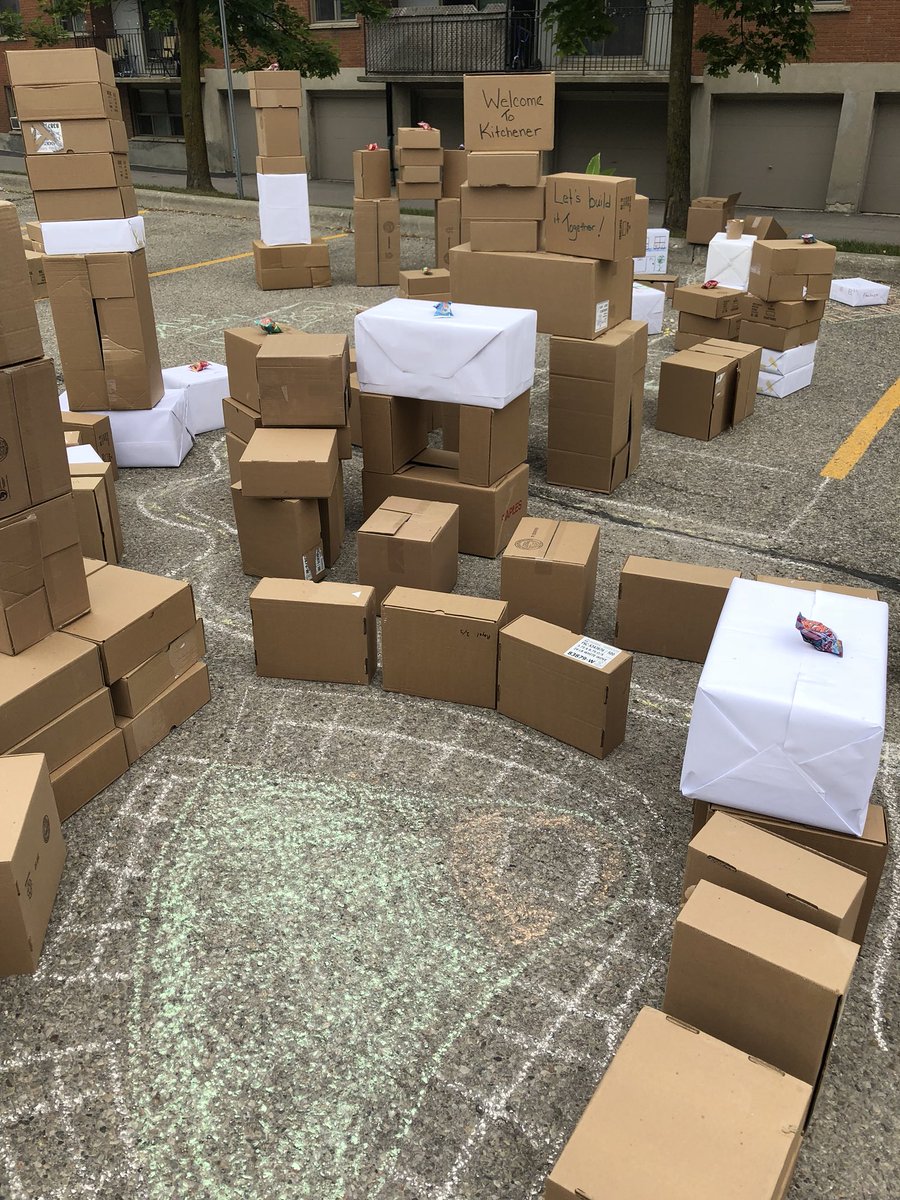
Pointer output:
x,y
578,22
760,36
594,168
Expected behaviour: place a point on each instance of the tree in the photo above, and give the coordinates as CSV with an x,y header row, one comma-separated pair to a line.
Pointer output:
x,y
757,36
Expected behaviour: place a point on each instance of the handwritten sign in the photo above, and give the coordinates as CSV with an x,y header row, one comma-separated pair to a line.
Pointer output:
x,y
589,216
509,112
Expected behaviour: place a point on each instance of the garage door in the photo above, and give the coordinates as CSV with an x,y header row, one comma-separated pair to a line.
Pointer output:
x,y
341,123
882,190
629,130
777,152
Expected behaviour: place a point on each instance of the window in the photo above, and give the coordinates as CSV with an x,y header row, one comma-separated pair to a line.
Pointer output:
x,y
329,11
156,111
11,108
9,6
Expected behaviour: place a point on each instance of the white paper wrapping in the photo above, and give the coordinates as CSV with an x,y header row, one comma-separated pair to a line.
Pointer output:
x,y
728,260
785,385
284,210
647,304
151,437
859,292
783,729
205,391
82,454
93,237
481,355
783,362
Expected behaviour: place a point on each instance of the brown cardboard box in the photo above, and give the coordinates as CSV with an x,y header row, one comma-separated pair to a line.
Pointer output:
x,y
867,853
504,235
20,337
173,707
610,358
571,301
764,228
785,314
811,586
87,774
774,871
68,101
790,256
441,646
133,616
99,528
303,379
772,287
418,156
688,341
95,431
416,285
509,112
376,225
494,168
34,466
44,681
239,418
501,203
770,337
818,287
707,302
571,687
275,81
86,204
394,431
278,132
287,164
448,230
96,135
759,979
106,330
662,283
589,472
414,137
32,854
588,416
332,518
48,67
289,463
409,543
35,263
284,97
492,441
682,1114
297,265
371,174
696,394
62,564
748,360
72,731
589,216
24,610
670,608
234,449
549,570
282,538
67,172
241,348
93,564
708,215
454,172
413,174
724,328
417,191
140,687
326,632
640,220
487,516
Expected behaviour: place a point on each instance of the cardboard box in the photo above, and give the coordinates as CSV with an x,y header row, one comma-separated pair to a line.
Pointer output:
x,y
376,225
32,854
810,586
416,285
89,773
34,467
61,565
696,394
371,174
133,616
504,235
181,699
96,135
275,81
493,168
454,173
785,314
241,348
72,731
758,979
332,519
298,265
570,687
441,646
68,172
97,510
587,416
86,204
278,132
417,191
501,203
648,304
416,137
325,632
394,430
106,331
747,360
653,254
417,156
509,112
24,610
770,337
20,337
205,389
663,283
572,301
492,442
670,608
549,570
48,67
289,164
71,101
679,1113
240,419
708,215
289,463
784,385
589,472
790,256
728,260
447,229
713,303
613,357
95,431
764,227
282,538
409,543
284,210
139,687
772,870
589,216
724,328
35,263
94,237
303,379
152,437
282,97
640,221
859,292
42,682
421,175
234,450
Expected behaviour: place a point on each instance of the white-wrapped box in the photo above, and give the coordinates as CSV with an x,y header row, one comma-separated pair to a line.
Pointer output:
x,y
783,362
205,390
656,258
93,237
780,728
647,304
284,210
728,260
859,292
770,384
152,437
479,355
82,454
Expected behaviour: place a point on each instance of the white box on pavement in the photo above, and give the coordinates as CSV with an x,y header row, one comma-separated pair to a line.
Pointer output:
x,y
780,728
858,292
93,237
284,210
480,355
647,304
728,260
151,437
770,384
205,390
656,258
783,362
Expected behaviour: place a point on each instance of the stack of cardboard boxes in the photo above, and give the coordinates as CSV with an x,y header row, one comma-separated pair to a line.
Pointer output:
x,y
707,389
503,199
708,215
419,160
287,432
706,312
284,255
376,219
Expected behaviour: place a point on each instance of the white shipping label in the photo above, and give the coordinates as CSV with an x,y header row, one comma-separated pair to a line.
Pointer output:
x,y
594,653
320,560
601,319
307,573
53,143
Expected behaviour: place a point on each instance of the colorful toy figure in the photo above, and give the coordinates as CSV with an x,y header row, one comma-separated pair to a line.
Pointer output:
x,y
443,309
200,365
426,270
267,325
423,125
808,239
710,283
819,636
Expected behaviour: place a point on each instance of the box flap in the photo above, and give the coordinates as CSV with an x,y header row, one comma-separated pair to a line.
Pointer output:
x,y
385,522
304,591
659,568
472,608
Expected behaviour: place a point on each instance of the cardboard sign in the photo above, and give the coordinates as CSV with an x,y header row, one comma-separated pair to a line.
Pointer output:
x,y
509,112
589,216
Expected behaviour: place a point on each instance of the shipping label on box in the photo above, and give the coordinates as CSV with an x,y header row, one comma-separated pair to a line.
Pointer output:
x,y
509,112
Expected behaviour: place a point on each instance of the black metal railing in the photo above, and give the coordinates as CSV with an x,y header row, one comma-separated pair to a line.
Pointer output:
x,y
136,53
461,40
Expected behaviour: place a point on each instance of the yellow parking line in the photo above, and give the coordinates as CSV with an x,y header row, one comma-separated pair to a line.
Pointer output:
x,y
211,262
857,443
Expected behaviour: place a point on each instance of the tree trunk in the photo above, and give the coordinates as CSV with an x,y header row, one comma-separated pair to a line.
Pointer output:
x,y
678,131
187,15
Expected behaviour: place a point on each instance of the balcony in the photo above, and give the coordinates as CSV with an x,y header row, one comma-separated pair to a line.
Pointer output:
x,y
460,40
137,54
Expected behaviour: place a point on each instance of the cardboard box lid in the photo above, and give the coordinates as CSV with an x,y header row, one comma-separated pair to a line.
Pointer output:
x,y
19,780
314,350
76,65
794,946
716,201
569,542
587,651
414,520
679,572
696,360
303,591
471,608
275,445
120,597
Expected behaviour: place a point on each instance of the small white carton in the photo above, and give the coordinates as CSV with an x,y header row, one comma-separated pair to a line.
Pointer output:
x,y
284,210
656,258
728,260
93,237
783,362
152,437
780,386
205,387
647,304
859,292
